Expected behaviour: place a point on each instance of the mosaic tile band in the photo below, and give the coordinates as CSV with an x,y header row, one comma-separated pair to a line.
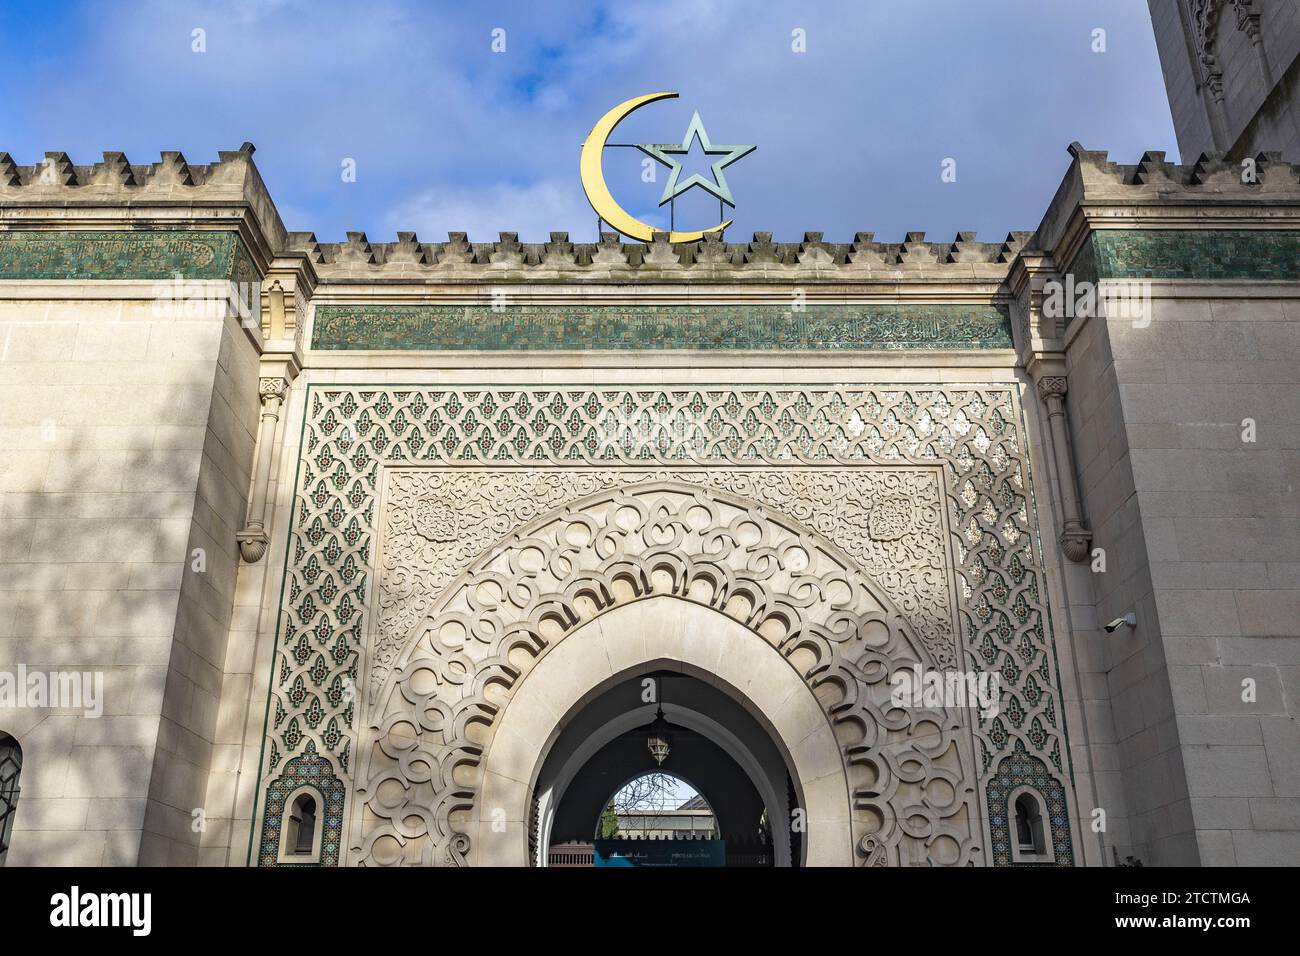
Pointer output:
x,y
1189,254
125,254
586,327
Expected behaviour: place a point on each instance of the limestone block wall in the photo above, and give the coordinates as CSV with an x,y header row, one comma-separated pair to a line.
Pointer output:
x,y
1221,516
127,436
1278,119
1202,533
190,725
250,648
1130,711
1276,125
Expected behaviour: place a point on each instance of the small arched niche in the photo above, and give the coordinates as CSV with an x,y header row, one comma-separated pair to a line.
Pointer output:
x,y
301,831
1031,840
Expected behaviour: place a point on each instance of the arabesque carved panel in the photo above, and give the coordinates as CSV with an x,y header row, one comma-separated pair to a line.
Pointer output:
x,y
889,521
970,434
461,656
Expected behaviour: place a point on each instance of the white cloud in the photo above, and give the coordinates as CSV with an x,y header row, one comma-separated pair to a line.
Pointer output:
x,y
534,211
851,133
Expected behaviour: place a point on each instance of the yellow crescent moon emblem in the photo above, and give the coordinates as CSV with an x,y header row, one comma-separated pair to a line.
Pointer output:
x,y
598,194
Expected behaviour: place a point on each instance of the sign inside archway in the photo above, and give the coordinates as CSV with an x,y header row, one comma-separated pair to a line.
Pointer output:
x,y
660,853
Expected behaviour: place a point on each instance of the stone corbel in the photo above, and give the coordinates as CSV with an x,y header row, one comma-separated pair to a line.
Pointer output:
x,y
1075,537
253,537
1215,105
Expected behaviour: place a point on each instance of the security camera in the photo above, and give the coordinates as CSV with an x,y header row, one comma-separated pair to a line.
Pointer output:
x,y
1130,619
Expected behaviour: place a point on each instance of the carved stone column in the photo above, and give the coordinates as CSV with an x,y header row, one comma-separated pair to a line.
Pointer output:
x,y
1075,536
253,538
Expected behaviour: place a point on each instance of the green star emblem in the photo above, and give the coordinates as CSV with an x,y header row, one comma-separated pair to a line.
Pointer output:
x,y
664,153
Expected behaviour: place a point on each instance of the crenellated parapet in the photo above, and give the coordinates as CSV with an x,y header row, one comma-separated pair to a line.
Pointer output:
x,y
56,193
962,258
56,171
1153,220
1210,193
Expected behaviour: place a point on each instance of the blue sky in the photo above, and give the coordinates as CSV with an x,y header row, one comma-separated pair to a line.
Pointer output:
x,y
448,135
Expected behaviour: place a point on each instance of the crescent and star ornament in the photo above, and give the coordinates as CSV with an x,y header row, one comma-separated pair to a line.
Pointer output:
x,y
608,209
665,152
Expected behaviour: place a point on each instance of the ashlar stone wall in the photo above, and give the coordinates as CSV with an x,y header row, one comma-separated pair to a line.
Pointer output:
x,y
1206,414
128,434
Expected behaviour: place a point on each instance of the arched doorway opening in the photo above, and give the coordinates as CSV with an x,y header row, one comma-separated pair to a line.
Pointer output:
x,y
561,713
656,806
657,819
604,772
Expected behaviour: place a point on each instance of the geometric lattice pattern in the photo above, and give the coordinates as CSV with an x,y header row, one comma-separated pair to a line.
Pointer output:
x,y
972,431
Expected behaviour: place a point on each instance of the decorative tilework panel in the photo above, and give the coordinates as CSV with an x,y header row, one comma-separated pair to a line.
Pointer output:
x,y
1193,254
124,254
309,770
704,327
1014,771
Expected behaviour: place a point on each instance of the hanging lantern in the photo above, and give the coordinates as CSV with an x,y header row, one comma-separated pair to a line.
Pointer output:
x,y
660,741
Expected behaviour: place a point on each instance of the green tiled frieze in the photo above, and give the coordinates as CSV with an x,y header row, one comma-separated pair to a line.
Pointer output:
x,y
705,327
1189,254
1084,267
121,254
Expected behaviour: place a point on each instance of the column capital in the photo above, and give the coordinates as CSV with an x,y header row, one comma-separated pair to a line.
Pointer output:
x,y
272,387
1052,386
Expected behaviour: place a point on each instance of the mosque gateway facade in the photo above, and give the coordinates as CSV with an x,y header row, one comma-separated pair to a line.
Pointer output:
x,y
933,552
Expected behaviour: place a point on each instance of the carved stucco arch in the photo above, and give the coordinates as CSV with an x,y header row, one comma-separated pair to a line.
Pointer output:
x,y
908,771
662,632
